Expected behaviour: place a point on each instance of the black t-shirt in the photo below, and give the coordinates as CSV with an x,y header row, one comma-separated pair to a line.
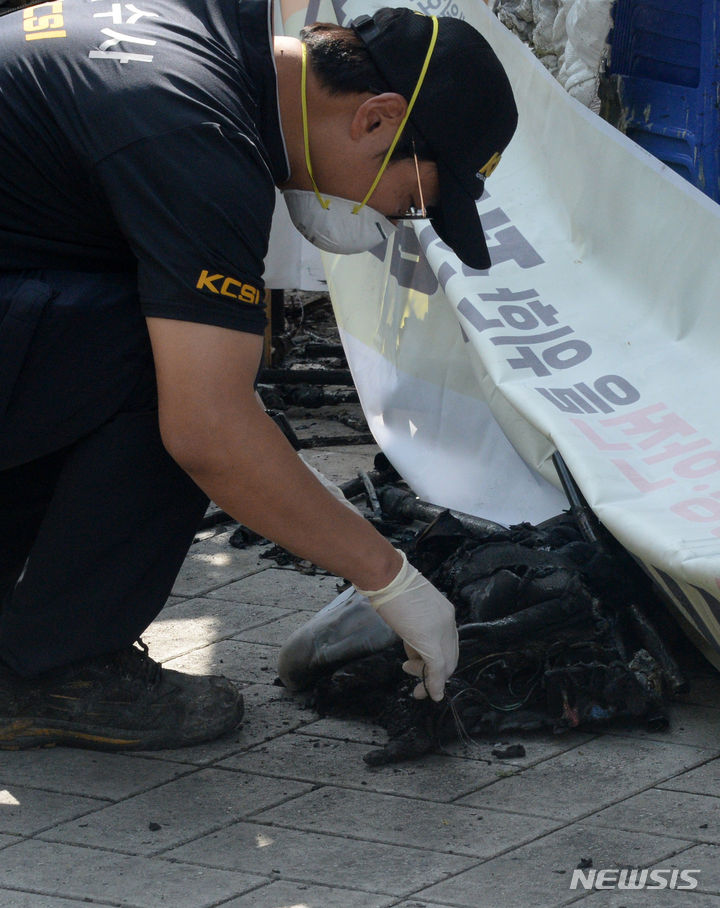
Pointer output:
x,y
143,135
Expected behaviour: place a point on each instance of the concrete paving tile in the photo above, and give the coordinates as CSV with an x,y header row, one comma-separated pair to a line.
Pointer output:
x,y
269,711
214,562
706,859
704,689
588,777
85,772
701,780
318,858
201,754
346,730
63,870
342,463
698,726
302,895
405,821
537,748
13,899
181,628
332,762
421,903
675,813
538,874
25,811
283,588
6,840
174,600
309,427
652,898
276,632
249,663
176,812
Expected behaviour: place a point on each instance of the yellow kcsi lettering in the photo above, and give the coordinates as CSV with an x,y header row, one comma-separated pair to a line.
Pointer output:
x,y
45,20
227,286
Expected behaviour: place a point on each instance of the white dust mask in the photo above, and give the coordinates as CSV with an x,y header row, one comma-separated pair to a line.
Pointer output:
x,y
337,227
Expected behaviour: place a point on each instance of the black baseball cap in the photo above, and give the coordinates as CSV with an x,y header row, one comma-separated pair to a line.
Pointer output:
x,y
465,111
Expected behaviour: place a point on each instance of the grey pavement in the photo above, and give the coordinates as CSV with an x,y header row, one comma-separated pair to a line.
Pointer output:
x,y
285,814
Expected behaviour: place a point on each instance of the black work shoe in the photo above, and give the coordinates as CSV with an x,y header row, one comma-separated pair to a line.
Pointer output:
x,y
124,701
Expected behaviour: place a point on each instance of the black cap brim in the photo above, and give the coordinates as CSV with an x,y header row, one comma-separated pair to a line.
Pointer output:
x,y
457,222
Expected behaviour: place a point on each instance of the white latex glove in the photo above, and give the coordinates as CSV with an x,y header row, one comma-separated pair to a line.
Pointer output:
x,y
425,620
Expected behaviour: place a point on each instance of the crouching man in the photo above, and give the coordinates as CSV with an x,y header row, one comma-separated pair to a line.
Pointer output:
x,y
138,166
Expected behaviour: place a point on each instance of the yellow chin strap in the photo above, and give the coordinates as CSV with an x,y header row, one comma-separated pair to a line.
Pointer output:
x,y
306,140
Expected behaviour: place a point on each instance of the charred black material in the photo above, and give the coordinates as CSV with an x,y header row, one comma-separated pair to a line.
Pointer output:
x,y
555,632
319,350
283,423
399,503
329,441
305,377
281,397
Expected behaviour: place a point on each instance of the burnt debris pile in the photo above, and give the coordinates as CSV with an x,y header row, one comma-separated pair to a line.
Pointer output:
x,y
305,383
559,627
555,633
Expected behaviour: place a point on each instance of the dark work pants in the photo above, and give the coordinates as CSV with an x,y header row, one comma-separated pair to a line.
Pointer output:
x,y
95,517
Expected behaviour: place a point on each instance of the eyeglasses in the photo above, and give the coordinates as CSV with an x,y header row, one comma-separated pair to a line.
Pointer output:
x,y
413,213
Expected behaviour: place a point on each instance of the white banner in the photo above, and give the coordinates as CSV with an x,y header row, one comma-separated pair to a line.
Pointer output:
x,y
413,369
291,263
595,333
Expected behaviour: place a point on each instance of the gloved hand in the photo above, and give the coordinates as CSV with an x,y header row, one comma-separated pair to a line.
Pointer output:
x,y
425,620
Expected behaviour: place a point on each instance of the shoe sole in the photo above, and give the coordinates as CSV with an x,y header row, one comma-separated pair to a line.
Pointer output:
x,y
22,734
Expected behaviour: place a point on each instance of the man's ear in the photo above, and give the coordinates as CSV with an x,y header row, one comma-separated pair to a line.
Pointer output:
x,y
378,114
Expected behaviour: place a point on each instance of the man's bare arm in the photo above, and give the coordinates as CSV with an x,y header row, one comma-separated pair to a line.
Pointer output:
x,y
213,426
